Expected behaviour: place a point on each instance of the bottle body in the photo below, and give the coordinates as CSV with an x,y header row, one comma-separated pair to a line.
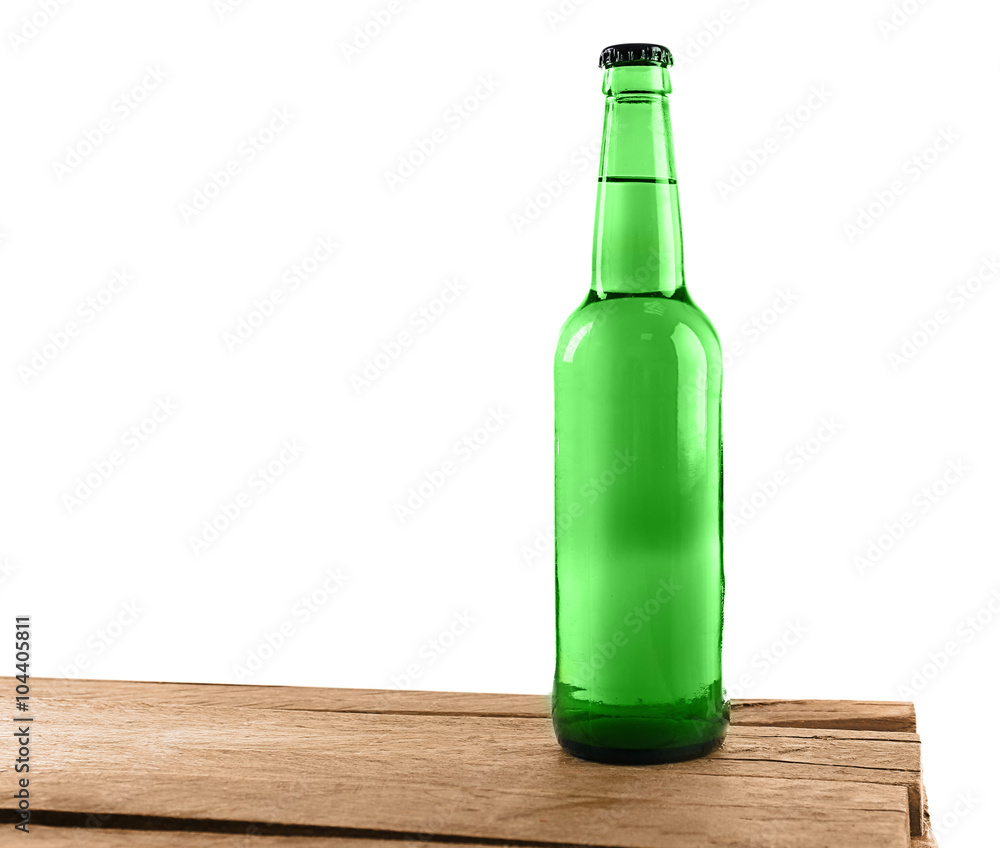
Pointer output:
x,y
639,580
638,478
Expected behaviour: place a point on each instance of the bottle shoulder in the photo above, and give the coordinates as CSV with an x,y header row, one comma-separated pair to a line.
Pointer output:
x,y
631,318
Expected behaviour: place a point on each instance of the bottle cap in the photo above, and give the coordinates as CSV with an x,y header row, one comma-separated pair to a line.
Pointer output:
x,y
635,54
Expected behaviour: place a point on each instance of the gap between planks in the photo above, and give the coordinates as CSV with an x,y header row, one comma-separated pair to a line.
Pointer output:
x,y
882,716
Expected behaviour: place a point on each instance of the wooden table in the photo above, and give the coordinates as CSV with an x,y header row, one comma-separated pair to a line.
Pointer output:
x,y
170,764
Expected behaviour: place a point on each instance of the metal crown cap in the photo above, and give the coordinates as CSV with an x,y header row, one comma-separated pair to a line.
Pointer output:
x,y
636,53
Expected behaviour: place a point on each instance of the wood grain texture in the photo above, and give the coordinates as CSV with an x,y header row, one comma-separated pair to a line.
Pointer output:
x,y
462,766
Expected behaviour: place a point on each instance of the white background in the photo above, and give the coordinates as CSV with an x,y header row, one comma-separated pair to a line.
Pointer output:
x,y
458,594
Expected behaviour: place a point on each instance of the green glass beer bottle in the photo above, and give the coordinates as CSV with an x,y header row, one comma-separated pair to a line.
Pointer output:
x,y
638,460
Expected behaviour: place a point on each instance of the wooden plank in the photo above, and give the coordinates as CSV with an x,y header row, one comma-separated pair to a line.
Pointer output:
x,y
398,702
473,777
889,716
898,716
752,813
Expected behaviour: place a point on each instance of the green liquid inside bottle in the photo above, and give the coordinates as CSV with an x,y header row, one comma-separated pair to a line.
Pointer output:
x,y
638,466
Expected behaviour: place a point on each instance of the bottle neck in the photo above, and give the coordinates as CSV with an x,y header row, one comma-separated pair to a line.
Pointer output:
x,y
637,228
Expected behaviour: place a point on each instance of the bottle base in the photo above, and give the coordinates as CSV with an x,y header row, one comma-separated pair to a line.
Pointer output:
x,y
639,734
640,756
